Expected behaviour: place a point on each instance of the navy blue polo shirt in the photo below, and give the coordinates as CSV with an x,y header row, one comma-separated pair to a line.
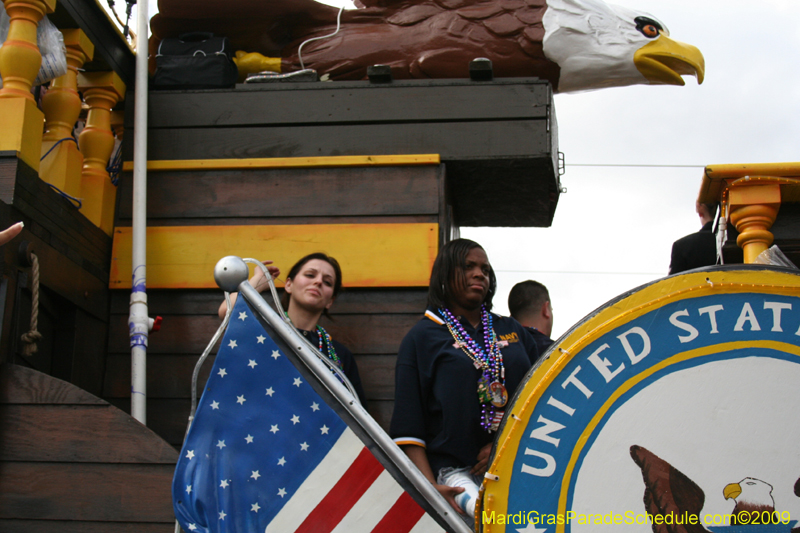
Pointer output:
x,y
543,342
346,357
436,399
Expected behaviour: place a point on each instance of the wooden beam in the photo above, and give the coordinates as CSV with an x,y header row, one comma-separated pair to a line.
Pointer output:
x,y
350,102
371,255
91,492
290,193
289,162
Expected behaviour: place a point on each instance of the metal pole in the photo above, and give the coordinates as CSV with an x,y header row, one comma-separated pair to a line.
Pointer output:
x,y
138,322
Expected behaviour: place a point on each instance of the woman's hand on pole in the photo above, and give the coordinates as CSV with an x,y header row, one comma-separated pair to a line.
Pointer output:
x,y
258,281
449,493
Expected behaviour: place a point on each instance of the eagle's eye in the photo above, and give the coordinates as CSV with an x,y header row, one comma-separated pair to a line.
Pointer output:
x,y
648,27
650,31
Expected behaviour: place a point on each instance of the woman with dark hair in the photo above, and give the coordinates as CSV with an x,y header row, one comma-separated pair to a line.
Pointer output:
x,y
456,370
311,287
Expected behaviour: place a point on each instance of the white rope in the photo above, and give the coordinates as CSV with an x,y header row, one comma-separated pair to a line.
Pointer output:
x,y
300,48
722,237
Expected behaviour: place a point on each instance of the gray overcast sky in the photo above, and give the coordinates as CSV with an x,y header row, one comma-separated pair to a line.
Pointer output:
x,y
614,228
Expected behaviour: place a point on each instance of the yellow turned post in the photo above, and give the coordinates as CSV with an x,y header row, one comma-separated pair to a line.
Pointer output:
x,y
20,60
101,92
62,107
753,210
751,196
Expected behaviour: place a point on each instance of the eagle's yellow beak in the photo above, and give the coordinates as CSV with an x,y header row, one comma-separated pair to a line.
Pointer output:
x,y
664,61
731,490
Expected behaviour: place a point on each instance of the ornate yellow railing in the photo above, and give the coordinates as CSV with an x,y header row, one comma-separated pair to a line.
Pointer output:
x,y
751,194
42,138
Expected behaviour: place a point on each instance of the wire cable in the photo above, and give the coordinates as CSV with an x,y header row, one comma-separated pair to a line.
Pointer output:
x,y
338,26
56,144
631,165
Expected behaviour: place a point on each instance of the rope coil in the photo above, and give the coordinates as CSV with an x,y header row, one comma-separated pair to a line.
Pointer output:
x,y
33,336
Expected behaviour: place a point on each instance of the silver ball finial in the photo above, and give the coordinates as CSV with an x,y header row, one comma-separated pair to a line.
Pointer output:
x,y
230,272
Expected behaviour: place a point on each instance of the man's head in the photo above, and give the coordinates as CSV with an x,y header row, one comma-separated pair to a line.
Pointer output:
x,y
529,303
706,212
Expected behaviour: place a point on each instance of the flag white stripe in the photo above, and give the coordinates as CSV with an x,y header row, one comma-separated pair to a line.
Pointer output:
x,y
318,484
426,524
372,506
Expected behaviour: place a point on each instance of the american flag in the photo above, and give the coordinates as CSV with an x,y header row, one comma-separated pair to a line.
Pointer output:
x,y
266,453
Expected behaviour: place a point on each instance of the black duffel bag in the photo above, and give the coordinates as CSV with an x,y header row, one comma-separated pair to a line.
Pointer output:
x,y
196,60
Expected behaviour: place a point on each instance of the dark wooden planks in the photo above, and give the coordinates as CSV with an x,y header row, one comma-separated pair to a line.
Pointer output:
x,y
168,417
89,352
98,434
62,226
363,334
8,175
497,139
349,301
69,460
483,140
381,411
506,192
179,334
75,526
73,253
323,192
168,376
68,279
377,375
347,102
19,385
91,492
371,333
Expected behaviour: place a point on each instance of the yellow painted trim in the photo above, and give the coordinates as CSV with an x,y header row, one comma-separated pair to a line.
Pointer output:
x,y
371,255
109,81
290,162
753,169
658,294
633,381
78,39
715,178
21,129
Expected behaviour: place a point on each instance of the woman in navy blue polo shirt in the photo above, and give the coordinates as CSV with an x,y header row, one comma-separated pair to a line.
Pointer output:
x,y
456,370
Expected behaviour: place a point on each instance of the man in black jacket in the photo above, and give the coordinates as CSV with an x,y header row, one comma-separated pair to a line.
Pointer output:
x,y
698,249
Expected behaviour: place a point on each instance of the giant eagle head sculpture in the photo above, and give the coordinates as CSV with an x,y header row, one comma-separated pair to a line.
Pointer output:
x,y
601,45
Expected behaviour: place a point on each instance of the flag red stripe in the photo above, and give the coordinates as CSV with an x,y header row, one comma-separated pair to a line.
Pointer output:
x,y
403,516
347,491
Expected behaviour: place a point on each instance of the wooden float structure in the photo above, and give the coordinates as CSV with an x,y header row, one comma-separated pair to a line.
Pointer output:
x,y
368,172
